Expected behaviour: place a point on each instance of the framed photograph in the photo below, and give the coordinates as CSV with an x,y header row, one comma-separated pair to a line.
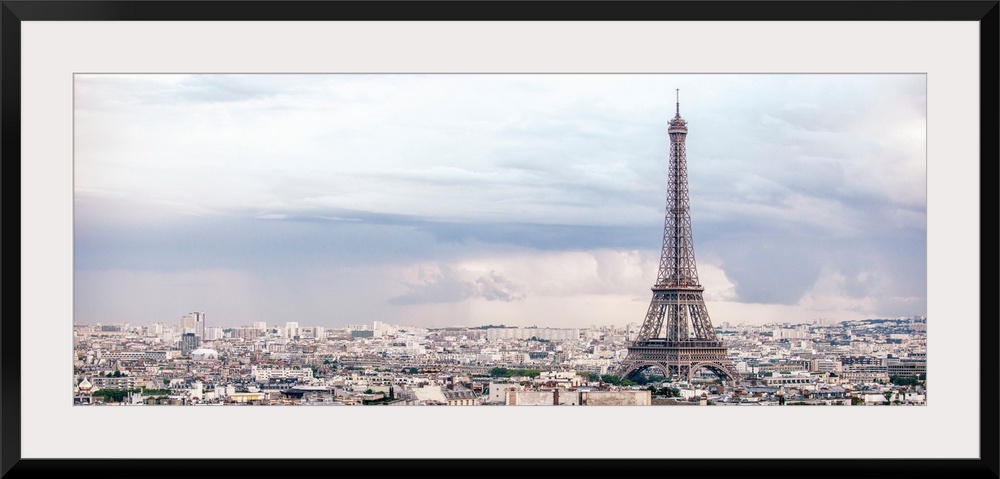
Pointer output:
x,y
264,206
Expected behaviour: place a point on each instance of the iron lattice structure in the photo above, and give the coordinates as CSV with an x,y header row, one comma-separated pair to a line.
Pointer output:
x,y
677,335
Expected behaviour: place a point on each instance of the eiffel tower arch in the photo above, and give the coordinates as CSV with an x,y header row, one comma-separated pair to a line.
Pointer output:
x,y
677,335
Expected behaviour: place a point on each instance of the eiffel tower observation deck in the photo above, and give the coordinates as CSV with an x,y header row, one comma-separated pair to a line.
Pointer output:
x,y
677,336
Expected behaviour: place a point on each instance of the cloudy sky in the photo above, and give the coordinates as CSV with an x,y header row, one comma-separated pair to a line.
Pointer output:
x,y
438,200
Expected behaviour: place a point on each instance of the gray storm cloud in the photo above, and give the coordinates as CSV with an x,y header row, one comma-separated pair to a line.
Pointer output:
x,y
273,178
494,287
446,286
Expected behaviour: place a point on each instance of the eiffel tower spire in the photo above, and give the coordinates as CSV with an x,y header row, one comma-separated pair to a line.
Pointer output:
x,y
677,335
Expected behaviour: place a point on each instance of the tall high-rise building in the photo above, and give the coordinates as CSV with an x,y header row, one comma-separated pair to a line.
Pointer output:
x,y
383,329
199,324
213,334
187,323
291,329
189,342
194,323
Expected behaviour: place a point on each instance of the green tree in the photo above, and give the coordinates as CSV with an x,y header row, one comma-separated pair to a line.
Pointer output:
x,y
115,395
904,380
616,381
508,373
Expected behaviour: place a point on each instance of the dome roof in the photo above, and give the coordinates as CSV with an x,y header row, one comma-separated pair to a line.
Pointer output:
x,y
204,353
85,385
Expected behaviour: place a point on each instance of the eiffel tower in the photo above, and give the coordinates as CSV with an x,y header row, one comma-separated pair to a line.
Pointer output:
x,y
677,336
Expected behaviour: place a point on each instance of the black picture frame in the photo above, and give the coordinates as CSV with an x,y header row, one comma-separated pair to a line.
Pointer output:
x,y
12,13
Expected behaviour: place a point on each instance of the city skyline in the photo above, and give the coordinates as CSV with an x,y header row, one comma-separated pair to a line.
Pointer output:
x,y
465,200
180,326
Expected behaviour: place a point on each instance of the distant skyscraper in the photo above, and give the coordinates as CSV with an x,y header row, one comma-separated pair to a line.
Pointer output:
x,y
213,334
194,323
189,342
187,323
199,324
291,329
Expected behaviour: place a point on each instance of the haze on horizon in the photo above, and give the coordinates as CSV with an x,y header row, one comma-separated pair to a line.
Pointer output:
x,y
471,199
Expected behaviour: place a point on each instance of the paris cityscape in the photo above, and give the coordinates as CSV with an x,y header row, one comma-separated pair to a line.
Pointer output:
x,y
865,362
843,256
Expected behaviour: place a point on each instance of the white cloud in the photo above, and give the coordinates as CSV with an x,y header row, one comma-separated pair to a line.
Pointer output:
x,y
494,287
718,287
830,294
445,284
785,159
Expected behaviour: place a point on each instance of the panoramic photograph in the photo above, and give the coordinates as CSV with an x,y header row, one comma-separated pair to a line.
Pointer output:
x,y
500,240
